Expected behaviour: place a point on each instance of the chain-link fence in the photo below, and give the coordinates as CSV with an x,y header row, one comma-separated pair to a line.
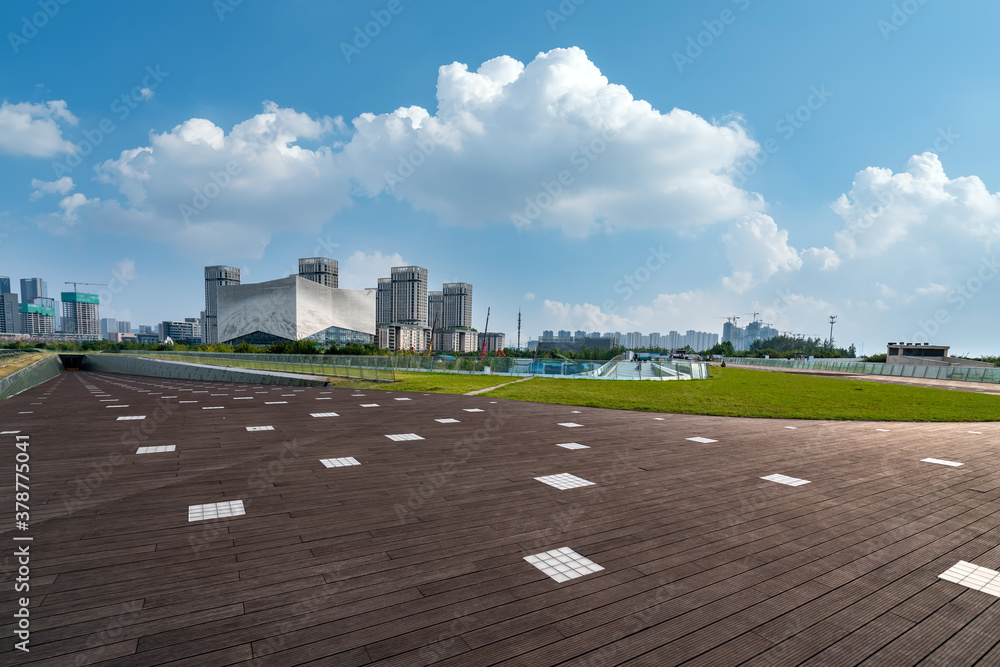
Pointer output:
x,y
964,373
360,367
41,371
185,370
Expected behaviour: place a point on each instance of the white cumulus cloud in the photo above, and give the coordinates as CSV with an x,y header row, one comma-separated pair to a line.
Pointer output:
x,y
552,143
198,185
42,188
585,316
921,204
69,206
34,129
362,270
756,250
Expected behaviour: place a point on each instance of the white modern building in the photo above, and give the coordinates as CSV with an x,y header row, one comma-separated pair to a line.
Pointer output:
x,y
294,308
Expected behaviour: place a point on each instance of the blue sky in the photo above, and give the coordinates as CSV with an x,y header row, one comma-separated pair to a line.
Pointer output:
x,y
793,159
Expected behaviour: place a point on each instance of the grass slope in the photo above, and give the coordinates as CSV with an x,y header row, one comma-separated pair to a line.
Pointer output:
x,y
747,393
433,383
22,362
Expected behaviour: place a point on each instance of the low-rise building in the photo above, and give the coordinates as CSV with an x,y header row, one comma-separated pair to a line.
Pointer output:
x,y
494,341
456,340
397,336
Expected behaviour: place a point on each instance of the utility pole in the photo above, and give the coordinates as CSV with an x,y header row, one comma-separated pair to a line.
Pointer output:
x,y
833,319
518,328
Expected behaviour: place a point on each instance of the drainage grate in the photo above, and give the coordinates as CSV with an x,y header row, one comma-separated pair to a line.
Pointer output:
x,y
215,510
785,479
563,564
156,449
564,481
973,576
340,463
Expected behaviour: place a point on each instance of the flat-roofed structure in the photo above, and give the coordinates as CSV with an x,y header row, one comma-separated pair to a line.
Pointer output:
x,y
294,308
925,354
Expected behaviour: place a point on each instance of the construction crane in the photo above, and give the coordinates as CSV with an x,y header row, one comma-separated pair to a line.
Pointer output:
x,y
430,348
75,283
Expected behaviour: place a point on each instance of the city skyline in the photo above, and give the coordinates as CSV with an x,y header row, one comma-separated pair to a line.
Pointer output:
x,y
592,166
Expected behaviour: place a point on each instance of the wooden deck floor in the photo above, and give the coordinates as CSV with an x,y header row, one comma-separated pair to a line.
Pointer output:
x,y
416,556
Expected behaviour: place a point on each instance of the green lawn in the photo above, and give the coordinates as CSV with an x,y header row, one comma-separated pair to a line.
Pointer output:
x,y
738,392
732,392
434,383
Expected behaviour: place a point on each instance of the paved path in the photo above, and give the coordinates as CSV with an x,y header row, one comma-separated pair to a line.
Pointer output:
x,y
483,391
416,556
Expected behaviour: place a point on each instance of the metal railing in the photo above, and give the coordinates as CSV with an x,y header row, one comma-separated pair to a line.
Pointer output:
x,y
41,371
963,373
360,367
128,364
383,368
